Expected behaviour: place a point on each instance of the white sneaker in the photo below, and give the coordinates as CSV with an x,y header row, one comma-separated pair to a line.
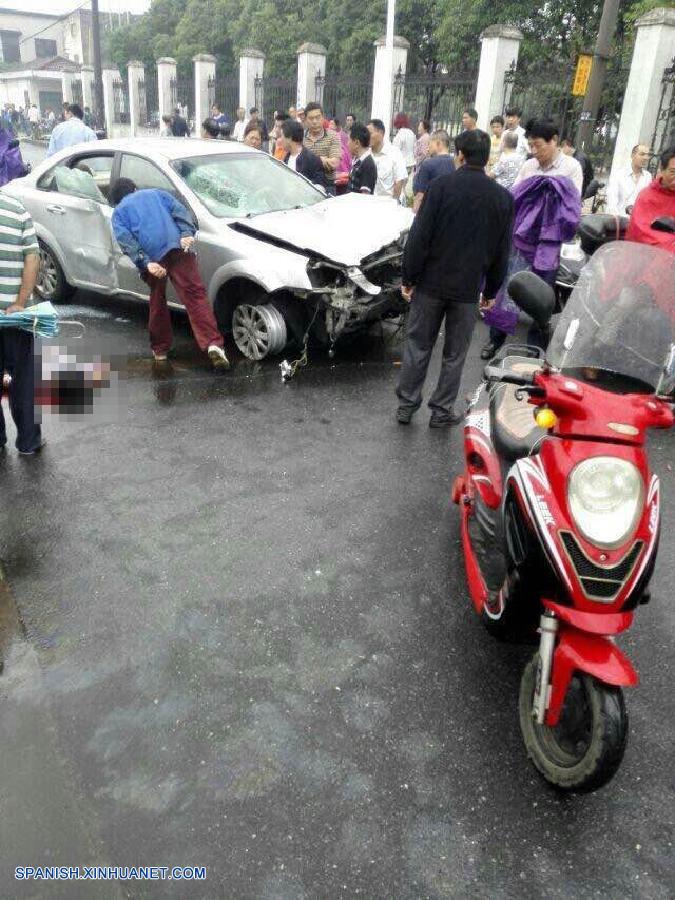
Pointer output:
x,y
218,357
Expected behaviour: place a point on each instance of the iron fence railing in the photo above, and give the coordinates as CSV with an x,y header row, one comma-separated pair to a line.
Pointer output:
x,y
120,92
343,95
664,130
274,94
183,95
148,100
226,95
440,98
77,92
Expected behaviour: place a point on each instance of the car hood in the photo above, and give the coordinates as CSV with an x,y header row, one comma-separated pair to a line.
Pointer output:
x,y
343,229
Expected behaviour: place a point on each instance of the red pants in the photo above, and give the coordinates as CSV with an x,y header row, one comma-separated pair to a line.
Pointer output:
x,y
182,269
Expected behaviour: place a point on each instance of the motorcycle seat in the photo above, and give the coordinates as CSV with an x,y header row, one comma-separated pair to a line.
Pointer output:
x,y
514,432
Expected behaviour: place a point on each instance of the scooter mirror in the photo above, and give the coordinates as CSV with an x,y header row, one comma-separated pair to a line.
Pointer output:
x,y
533,296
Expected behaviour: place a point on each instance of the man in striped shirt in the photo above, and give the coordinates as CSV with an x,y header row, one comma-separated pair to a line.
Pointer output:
x,y
19,265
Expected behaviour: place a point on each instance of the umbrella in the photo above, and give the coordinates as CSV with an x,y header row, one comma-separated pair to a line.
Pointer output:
x,y
41,320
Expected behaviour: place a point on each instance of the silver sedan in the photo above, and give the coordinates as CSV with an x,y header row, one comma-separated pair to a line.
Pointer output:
x,y
278,257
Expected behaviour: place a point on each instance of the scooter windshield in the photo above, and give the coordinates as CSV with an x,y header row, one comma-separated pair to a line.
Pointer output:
x,y
618,327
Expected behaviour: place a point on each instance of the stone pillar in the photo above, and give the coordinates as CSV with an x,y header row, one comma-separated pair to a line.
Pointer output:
x,y
166,71
311,62
654,50
500,45
67,79
136,71
205,68
251,66
109,76
380,108
87,76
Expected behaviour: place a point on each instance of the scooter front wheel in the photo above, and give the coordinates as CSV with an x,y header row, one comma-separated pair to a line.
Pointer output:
x,y
584,750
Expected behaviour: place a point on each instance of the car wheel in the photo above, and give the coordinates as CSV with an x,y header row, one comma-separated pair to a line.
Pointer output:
x,y
51,282
258,331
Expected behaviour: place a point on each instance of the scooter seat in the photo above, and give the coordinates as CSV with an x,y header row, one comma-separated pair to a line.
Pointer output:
x,y
514,432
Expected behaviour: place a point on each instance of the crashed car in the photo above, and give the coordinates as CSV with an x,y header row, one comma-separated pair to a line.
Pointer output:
x,y
278,257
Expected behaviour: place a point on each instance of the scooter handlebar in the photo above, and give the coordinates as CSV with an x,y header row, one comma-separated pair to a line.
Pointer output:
x,y
495,373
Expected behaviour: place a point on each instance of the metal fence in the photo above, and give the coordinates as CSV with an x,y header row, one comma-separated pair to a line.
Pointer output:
x,y
120,102
77,92
545,92
183,95
440,98
664,130
225,92
342,95
274,94
148,100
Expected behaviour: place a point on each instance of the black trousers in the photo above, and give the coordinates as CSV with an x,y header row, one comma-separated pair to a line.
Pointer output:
x,y
17,358
425,318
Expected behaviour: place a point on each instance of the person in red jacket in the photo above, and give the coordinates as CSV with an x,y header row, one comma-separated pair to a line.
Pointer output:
x,y
654,202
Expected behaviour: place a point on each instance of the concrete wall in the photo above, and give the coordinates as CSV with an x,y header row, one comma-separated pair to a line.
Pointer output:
x,y
28,24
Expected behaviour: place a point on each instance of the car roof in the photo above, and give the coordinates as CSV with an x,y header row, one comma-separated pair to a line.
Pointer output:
x,y
169,147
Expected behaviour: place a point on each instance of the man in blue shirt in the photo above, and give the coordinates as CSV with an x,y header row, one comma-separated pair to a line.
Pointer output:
x,y
438,162
157,233
71,131
222,119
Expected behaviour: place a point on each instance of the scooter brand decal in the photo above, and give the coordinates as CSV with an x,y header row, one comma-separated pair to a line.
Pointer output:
x,y
654,518
546,514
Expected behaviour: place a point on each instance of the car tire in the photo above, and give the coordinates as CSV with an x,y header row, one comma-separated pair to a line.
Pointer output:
x,y
258,330
51,284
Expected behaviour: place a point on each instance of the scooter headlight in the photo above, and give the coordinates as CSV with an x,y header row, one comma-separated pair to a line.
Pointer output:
x,y
605,498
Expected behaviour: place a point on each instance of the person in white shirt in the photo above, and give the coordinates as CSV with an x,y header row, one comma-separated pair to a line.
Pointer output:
x,y
404,139
71,131
625,185
548,158
239,125
512,123
392,172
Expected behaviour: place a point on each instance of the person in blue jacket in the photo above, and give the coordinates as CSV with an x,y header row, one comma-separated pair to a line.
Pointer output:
x,y
157,233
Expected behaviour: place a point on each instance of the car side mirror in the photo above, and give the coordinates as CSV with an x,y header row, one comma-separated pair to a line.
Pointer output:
x,y
664,223
531,294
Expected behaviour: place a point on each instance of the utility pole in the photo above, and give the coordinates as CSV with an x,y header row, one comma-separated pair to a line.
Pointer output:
x,y
601,56
98,69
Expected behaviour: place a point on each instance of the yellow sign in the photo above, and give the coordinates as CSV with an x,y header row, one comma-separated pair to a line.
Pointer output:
x,y
582,74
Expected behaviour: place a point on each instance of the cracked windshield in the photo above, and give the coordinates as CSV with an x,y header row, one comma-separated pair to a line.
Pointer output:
x,y
245,186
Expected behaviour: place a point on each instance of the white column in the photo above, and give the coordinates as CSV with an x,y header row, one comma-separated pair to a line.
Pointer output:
x,y
166,71
87,76
382,93
653,52
67,79
205,68
109,75
500,45
136,71
251,66
311,62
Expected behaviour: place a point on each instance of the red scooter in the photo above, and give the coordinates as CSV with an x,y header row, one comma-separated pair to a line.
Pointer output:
x,y
559,508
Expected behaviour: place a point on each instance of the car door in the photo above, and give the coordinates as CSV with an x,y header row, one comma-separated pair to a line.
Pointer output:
x,y
72,207
145,174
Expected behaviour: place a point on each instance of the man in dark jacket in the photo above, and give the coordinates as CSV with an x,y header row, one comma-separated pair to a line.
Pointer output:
x,y
569,149
363,173
299,158
157,233
179,125
460,239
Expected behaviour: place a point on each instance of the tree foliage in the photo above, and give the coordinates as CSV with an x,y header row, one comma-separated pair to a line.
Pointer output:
x,y
442,33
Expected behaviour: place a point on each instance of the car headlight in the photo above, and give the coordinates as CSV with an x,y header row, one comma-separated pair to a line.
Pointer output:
x,y
605,498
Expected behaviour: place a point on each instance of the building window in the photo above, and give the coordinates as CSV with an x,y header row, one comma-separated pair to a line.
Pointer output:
x,y
9,41
45,49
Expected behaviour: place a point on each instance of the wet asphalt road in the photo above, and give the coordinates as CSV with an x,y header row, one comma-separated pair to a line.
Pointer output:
x,y
236,634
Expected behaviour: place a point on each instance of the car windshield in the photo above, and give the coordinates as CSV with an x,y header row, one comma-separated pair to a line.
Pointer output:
x,y
618,327
245,185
